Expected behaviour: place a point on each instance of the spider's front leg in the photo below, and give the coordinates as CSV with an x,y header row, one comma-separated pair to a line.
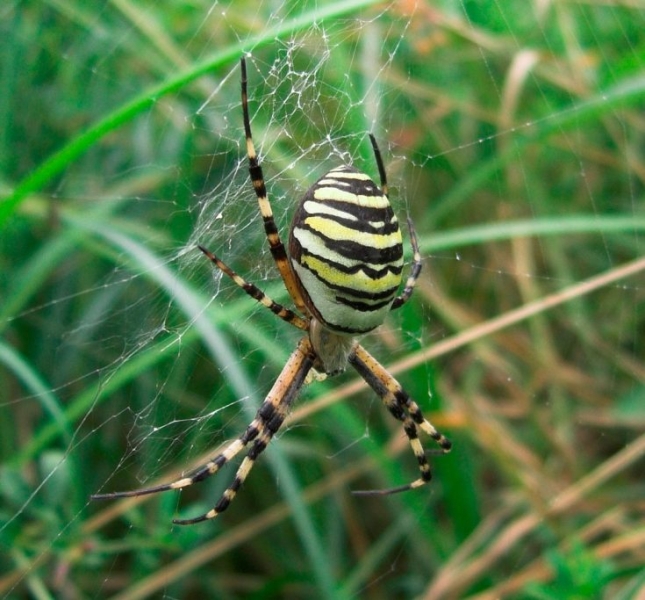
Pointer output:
x,y
402,408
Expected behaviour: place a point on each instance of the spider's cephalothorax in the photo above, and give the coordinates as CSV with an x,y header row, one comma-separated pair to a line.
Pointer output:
x,y
343,274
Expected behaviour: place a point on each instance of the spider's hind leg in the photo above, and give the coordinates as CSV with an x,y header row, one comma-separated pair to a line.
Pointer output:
x,y
210,468
402,408
268,420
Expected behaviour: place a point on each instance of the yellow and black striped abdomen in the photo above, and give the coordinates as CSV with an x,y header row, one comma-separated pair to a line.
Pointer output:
x,y
346,251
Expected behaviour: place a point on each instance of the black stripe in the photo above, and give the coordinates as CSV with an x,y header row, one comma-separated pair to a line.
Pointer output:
x,y
350,330
385,295
364,217
360,211
362,306
371,273
250,434
236,485
257,449
269,224
202,473
350,293
255,171
357,187
366,187
356,250
278,252
411,431
222,504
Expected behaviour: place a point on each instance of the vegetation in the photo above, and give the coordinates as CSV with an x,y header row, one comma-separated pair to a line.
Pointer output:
x,y
514,138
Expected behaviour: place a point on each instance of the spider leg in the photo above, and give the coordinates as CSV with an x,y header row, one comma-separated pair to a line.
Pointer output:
x,y
379,165
267,421
402,408
257,294
416,267
401,299
276,246
210,468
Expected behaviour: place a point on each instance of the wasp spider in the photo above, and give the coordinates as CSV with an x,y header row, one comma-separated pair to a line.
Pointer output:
x,y
342,272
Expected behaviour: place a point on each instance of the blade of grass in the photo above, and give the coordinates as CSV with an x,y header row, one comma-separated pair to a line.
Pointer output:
x,y
70,152
618,97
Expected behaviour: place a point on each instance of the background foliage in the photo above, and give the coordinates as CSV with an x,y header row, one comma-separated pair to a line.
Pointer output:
x,y
515,139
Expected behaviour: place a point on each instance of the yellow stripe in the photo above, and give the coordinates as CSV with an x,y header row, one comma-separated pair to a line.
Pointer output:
x,y
320,208
313,244
336,231
339,173
353,281
333,194
312,207
333,182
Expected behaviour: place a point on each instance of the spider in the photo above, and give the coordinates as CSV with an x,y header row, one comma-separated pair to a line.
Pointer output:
x,y
342,272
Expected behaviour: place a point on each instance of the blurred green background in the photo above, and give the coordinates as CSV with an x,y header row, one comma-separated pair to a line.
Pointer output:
x,y
514,137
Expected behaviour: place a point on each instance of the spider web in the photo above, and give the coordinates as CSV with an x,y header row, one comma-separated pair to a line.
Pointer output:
x,y
132,359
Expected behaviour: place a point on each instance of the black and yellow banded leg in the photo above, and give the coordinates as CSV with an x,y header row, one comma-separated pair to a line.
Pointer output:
x,y
416,266
267,422
256,293
380,166
210,468
276,246
343,273
402,408
258,434
404,296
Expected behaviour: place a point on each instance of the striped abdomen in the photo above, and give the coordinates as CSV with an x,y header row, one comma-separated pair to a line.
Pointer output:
x,y
346,251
